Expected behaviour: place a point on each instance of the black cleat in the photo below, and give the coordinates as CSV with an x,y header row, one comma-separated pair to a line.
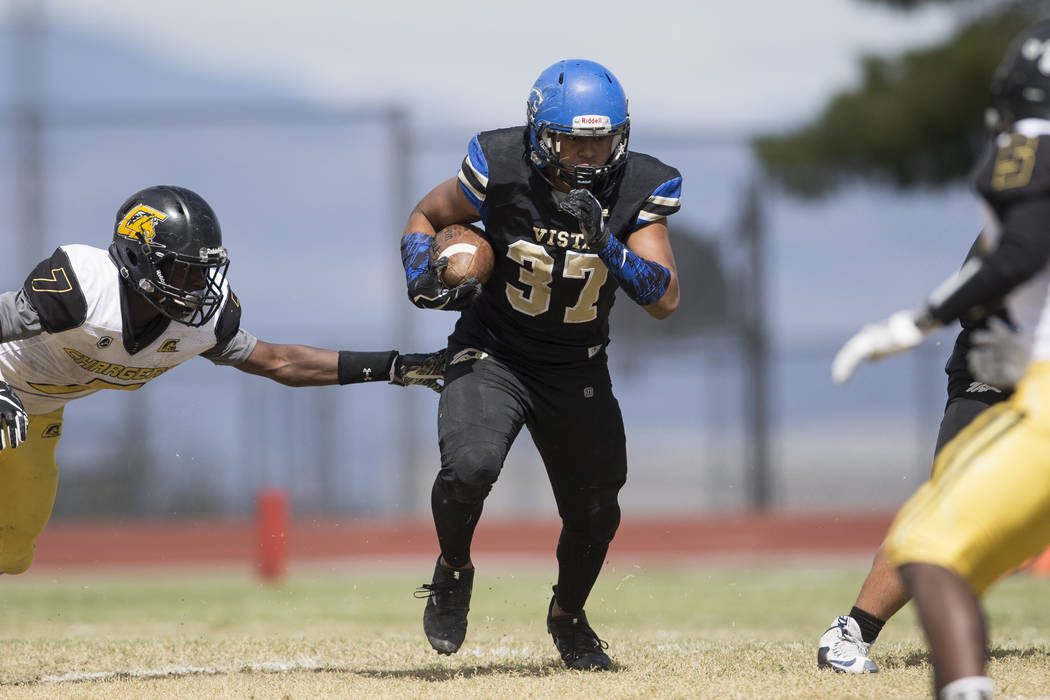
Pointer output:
x,y
448,601
579,646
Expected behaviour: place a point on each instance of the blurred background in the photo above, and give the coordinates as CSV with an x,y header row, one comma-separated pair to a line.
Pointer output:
x,y
824,146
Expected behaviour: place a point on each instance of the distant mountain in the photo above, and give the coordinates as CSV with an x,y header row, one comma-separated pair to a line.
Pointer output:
x,y
80,67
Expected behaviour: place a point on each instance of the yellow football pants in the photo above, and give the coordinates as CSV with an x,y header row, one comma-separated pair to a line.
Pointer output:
x,y
28,482
987,506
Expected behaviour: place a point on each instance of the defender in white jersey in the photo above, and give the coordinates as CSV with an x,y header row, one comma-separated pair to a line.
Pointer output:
x,y
987,506
88,319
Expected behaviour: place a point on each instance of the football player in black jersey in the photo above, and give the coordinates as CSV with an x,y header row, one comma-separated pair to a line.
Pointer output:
x,y
572,215
846,644
987,506
88,319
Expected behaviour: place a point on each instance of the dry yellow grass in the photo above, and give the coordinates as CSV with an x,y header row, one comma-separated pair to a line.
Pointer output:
x,y
699,632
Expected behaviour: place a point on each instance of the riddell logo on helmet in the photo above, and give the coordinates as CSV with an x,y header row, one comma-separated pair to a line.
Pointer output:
x,y
592,123
139,223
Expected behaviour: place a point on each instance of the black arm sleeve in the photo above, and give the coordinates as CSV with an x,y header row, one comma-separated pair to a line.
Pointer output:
x,y
970,321
957,369
1024,249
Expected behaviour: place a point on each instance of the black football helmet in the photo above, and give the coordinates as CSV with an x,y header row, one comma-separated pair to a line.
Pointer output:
x,y
1021,85
168,246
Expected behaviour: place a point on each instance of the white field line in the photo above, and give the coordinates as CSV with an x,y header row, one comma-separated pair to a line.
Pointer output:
x,y
264,667
175,671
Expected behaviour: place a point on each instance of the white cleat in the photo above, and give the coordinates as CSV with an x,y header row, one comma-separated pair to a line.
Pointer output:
x,y
843,649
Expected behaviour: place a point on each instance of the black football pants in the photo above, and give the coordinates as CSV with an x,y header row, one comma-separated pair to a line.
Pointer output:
x,y
959,413
576,424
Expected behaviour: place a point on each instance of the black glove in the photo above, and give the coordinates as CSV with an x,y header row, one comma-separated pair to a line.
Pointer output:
x,y
421,370
428,291
585,207
14,422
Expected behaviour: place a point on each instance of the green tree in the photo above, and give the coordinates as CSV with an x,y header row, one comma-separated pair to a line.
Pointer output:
x,y
914,120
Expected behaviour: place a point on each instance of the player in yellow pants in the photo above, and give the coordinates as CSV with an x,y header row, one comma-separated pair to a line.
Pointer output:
x,y
987,506
30,478
986,509
88,319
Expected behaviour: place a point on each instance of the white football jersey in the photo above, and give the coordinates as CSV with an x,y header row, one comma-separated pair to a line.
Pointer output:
x,y
81,295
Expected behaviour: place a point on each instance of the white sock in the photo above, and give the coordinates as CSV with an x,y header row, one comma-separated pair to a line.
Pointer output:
x,y
968,688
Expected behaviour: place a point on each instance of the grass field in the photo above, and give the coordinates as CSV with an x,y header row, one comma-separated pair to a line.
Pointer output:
x,y
703,631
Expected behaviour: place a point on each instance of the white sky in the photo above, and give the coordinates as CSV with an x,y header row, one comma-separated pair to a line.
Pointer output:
x,y
683,62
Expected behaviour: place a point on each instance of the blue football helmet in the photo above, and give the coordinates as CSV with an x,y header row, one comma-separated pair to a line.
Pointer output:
x,y
580,98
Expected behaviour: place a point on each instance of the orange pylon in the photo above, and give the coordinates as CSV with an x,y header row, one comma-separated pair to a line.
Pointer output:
x,y
1040,564
271,533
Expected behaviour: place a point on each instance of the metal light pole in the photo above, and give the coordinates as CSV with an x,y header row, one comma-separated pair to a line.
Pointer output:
x,y
27,63
756,350
409,447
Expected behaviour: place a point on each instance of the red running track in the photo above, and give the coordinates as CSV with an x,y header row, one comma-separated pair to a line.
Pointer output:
x,y
67,544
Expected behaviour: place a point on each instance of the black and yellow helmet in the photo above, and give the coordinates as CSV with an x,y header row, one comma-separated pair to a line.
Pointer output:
x,y
168,245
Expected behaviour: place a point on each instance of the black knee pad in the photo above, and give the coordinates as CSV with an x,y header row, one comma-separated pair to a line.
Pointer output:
x,y
471,472
596,519
603,528
455,490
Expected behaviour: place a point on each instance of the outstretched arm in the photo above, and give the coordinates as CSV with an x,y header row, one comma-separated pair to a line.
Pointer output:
x,y
302,365
299,365
1023,249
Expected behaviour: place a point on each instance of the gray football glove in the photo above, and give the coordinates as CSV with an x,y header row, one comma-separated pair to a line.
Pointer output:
x,y
421,370
585,207
998,357
14,421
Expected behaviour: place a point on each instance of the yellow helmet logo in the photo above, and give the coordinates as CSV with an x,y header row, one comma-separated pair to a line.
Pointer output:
x,y
138,224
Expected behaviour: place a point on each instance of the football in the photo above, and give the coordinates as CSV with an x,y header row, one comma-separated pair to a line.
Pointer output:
x,y
469,254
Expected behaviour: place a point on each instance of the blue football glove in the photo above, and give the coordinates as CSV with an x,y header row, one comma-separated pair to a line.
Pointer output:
x,y
426,289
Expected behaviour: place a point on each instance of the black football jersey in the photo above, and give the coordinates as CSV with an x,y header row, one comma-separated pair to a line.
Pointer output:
x,y
1012,168
1013,180
961,382
549,296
